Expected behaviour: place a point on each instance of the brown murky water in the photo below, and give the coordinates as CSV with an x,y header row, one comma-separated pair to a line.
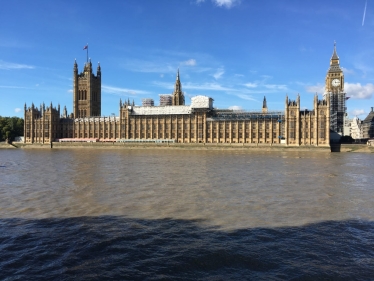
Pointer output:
x,y
228,189
185,215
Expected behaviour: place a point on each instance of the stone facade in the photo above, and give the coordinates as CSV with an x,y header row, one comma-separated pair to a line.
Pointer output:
x,y
86,91
199,122
41,125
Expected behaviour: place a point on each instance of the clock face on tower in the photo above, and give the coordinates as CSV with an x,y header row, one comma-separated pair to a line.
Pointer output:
x,y
335,83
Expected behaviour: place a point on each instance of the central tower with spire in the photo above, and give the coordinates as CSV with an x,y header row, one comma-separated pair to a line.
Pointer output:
x,y
178,96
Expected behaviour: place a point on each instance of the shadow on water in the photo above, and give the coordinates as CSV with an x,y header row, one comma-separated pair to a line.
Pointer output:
x,y
118,248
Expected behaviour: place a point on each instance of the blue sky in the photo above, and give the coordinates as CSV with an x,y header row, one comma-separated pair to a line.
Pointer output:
x,y
234,51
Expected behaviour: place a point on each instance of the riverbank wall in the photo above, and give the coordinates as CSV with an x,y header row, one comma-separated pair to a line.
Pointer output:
x,y
185,146
192,146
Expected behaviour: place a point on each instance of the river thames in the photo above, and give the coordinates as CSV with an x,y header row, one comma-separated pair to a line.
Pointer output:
x,y
98,214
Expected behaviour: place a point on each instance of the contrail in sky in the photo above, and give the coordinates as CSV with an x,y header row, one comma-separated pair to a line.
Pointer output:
x,y
363,19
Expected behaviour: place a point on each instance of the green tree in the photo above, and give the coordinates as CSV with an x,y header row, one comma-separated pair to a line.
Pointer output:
x,y
10,127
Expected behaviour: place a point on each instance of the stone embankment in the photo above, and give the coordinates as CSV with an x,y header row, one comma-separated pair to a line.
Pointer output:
x,y
356,148
191,146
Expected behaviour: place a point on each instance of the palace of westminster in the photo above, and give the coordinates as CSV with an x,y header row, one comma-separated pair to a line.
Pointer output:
x,y
200,122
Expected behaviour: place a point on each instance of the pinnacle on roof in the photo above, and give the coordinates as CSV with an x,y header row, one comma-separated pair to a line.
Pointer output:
x,y
334,54
178,85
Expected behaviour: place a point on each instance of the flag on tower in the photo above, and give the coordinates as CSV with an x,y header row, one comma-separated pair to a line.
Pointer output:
x,y
86,48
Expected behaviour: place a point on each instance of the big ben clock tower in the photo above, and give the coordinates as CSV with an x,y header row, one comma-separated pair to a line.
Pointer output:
x,y
334,88
334,77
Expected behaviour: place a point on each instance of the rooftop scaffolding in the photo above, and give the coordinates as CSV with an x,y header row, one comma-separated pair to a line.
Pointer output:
x,y
222,115
337,111
148,102
166,99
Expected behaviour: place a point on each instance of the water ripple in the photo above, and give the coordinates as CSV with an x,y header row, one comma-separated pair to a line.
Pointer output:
x,y
185,215
108,247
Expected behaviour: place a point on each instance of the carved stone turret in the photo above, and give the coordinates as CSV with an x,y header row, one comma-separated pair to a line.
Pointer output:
x,y
264,106
86,91
178,96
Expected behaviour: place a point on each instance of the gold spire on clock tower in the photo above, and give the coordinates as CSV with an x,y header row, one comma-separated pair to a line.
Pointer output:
x,y
334,82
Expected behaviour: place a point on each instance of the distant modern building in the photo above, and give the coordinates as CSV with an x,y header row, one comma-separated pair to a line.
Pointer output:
x,y
347,125
356,129
198,122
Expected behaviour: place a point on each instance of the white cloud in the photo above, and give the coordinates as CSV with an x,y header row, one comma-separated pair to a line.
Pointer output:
x,y
226,3
70,91
266,87
11,65
166,85
190,62
251,85
121,91
194,86
358,91
167,62
218,73
150,66
236,107
354,91
362,62
12,87
222,3
276,87
306,49
319,89
17,110
266,77
245,97
207,86
159,66
357,112
347,71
